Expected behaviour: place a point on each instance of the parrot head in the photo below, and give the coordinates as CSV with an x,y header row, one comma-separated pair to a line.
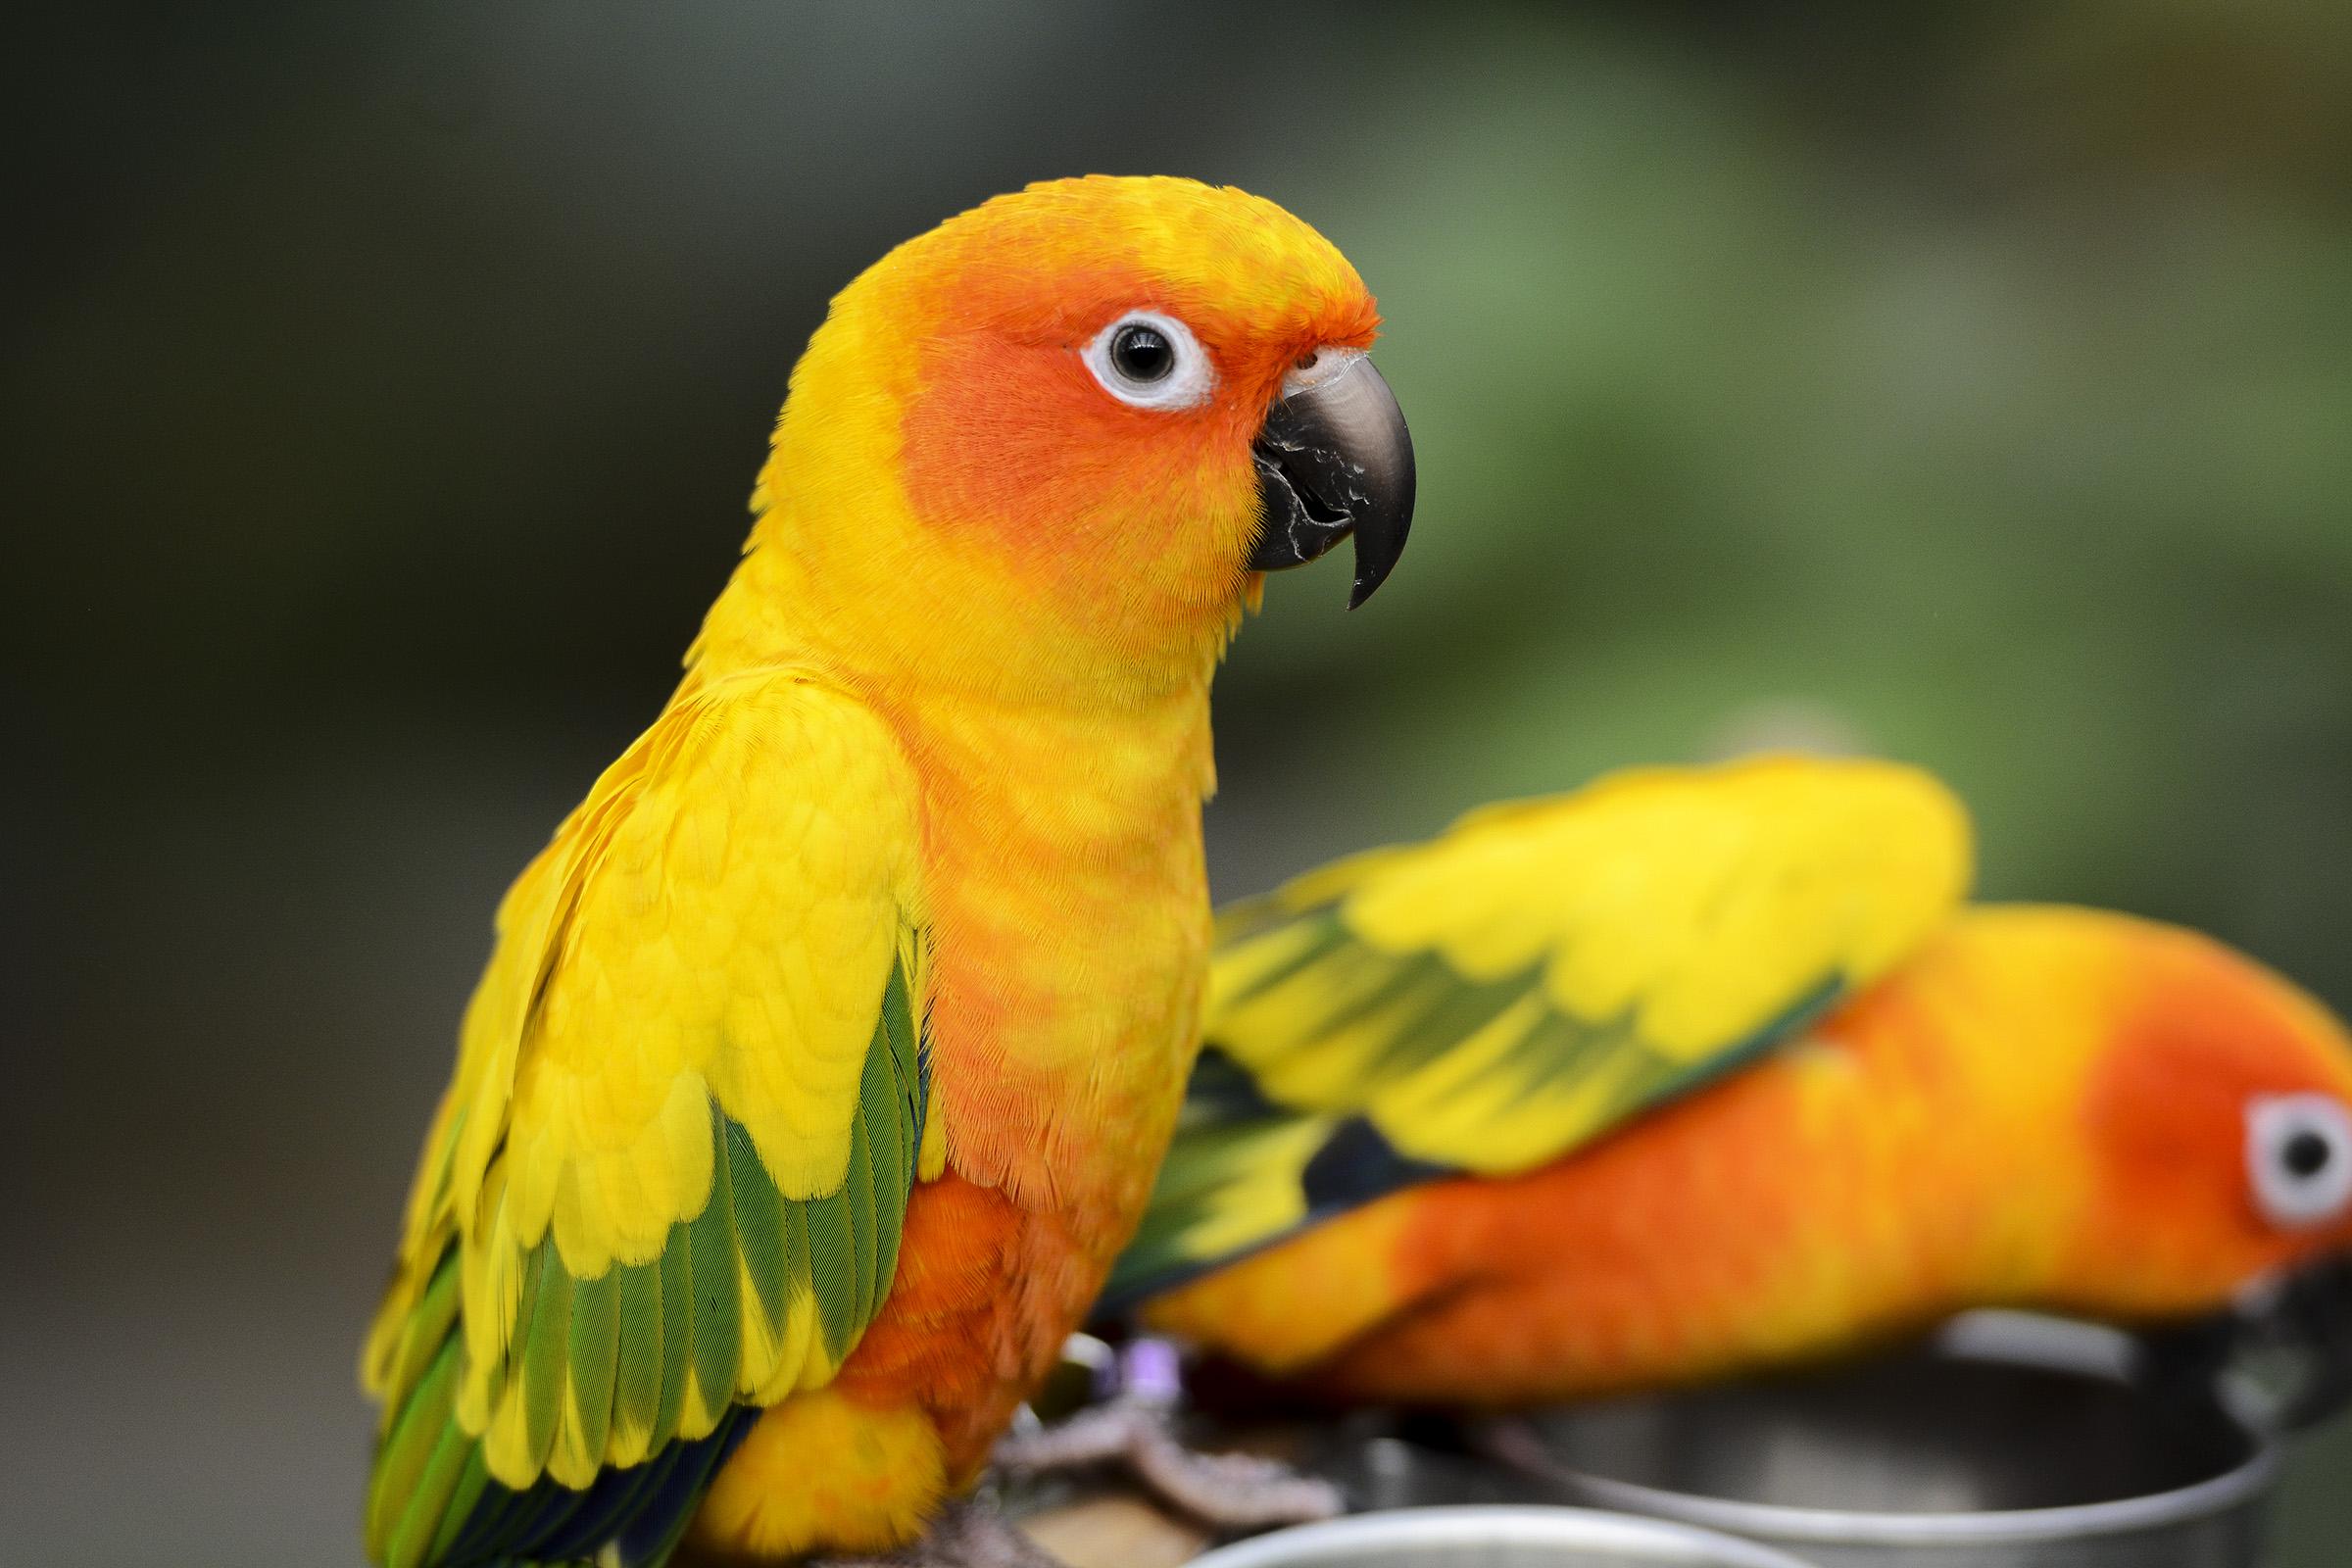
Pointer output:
x,y
2215,1108
1064,432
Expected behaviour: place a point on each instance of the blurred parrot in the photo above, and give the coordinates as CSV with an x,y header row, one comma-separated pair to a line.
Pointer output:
x,y
1696,1072
825,1057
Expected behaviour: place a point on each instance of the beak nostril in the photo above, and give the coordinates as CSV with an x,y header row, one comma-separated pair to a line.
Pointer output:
x,y
1307,361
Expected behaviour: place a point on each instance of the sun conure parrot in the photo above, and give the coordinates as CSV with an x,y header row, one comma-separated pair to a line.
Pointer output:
x,y
825,1055
1692,1073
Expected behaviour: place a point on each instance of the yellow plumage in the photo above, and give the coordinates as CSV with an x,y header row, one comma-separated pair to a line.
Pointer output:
x,y
713,927
2039,1106
1668,912
885,944
1488,999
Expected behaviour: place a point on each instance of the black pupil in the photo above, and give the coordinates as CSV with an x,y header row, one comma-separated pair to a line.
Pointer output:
x,y
2306,1153
1142,354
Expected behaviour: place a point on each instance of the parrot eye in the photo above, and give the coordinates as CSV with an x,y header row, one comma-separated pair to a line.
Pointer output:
x,y
2299,1154
1140,354
1150,361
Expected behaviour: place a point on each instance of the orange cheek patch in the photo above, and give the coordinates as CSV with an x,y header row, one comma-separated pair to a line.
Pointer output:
x,y
2166,1110
1016,438
2168,1118
1007,437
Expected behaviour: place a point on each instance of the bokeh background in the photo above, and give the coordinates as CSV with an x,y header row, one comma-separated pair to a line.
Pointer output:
x,y
1969,382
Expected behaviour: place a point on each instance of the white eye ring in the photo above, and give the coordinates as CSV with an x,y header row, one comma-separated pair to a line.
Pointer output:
x,y
2299,1158
1186,382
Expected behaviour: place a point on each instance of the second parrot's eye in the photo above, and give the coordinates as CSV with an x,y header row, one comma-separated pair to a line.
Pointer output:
x,y
1149,361
2299,1154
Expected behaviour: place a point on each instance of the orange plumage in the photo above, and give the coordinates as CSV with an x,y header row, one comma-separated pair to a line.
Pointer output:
x,y
2039,1106
820,1068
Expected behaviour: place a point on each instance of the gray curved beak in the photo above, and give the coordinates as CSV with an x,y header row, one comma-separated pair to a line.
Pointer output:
x,y
1335,460
2296,1329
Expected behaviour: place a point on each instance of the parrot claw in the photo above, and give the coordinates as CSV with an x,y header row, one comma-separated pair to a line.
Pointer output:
x,y
1231,1492
966,1535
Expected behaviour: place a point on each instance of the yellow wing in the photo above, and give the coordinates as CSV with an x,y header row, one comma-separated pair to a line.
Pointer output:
x,y
1545,969
669,1174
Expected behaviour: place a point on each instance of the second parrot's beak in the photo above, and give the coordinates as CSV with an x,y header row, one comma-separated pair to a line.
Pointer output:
x,y
2305,1320
2281,1355
1333,460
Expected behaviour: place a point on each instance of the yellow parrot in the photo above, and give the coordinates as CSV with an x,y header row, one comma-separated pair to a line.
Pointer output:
x,y
825,1055
1703,1071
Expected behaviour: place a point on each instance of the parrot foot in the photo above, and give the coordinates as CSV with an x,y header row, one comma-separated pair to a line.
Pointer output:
x,y
966,1535
1231,1491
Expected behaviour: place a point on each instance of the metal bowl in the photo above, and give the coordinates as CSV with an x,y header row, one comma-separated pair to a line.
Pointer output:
x,y
2009,1443
1493,1538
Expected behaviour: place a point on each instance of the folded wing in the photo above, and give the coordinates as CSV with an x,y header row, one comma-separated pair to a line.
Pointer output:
x,y
1531,978
666,1184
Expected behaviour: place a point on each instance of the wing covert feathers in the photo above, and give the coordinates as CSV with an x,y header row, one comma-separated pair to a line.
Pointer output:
x,y
669,1176
1531,978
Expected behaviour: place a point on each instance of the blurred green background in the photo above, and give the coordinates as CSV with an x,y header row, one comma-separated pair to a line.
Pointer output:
x,y
1969,382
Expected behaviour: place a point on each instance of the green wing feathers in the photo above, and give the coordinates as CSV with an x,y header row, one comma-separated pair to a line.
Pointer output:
x,y
1531,979
668,1179
605,1366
